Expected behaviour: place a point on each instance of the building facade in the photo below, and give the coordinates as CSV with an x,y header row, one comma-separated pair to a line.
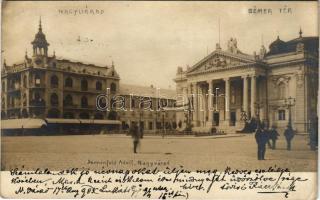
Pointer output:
x,y
229,87
60,91
44,86
153,108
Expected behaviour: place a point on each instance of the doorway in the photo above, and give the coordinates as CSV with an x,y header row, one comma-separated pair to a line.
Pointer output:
x,y
216,119
233,119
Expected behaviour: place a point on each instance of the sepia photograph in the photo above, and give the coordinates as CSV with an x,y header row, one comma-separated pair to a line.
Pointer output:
x,y
159,99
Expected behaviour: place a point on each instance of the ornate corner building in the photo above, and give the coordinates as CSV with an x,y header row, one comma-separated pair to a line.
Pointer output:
x,y
44,86
229,87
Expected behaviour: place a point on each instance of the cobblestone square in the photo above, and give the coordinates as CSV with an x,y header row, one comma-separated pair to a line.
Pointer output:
x,y
116,151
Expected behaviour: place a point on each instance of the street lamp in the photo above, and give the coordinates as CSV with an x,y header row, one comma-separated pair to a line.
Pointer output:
x,y
163,113
257,109
289,102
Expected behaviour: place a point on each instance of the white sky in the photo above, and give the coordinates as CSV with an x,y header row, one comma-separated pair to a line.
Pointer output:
x,y
149,40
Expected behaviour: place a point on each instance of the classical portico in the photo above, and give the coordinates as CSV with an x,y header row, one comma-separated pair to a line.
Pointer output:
x,y
223,88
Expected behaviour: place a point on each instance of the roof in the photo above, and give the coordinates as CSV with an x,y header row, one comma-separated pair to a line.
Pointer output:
x,y
27,123
279,46
147,91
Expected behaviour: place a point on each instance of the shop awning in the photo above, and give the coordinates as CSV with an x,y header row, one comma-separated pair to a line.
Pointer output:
x,y
101,121
62,121
28,123
81,121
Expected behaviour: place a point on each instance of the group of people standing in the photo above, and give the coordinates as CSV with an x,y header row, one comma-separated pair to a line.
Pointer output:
x,y
264,135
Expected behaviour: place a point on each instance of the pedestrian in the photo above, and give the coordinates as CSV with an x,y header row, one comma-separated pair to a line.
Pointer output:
x,y
141,131
261,139
274,136
289,133
134,131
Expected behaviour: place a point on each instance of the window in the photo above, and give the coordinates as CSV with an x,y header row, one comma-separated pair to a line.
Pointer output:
x,y
68,82
84,102
281,90
150,125
3,86
68,100
84,85
54,81
25,81
113,87
281,115
24,99
37,80
54,100
98,85
133,103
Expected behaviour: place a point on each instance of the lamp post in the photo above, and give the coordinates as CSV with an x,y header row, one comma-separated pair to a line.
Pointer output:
x,y
257,109
289,102
163,113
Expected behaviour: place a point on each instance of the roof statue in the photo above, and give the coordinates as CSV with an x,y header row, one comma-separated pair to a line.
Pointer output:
x,y
232,45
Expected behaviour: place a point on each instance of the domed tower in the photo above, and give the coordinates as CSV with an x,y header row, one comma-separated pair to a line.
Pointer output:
x,y
276,47
40,44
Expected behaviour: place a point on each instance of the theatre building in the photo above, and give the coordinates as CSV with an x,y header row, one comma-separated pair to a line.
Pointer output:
x,y
229,87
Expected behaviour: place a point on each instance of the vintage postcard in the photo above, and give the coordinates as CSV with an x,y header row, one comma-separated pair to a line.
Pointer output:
x,y
159,99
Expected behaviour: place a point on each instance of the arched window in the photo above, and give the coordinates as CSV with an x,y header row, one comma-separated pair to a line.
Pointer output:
x,y
68,100
84,85
281,91
98,85
54,81
84,115
25,81
37,80
24,99
84,102
113,87
68,82
54,99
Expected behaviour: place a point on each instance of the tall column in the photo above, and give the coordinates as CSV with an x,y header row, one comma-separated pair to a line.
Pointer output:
x,y
210,102
205,103
227,99
195,106
253,96
245,95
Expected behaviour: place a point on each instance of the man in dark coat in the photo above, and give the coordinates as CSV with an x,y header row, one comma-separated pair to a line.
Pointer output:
x,y
261,139
134,131
273,136
289,133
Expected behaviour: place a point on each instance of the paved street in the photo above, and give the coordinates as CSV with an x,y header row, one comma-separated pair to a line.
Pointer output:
x,y
115,151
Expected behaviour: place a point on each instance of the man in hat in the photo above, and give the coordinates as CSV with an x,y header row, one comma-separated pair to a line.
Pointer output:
x,y
289,133
273,136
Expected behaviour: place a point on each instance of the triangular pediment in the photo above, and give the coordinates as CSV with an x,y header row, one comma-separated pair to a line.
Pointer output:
x,y
218,60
